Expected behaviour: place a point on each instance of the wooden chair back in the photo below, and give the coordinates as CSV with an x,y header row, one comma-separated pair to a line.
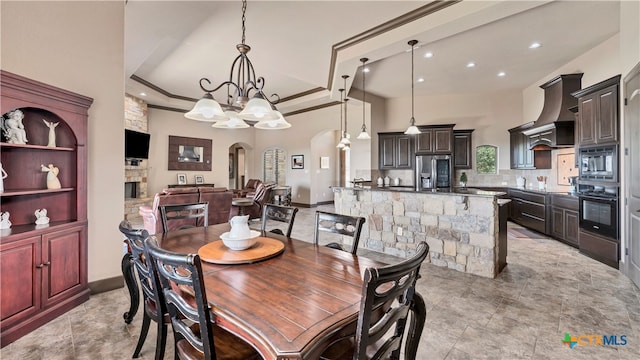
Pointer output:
x,y
383,286
153,299
285,214
183,216
339,224
181,280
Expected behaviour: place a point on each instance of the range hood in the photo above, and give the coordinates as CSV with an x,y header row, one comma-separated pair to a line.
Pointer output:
x,y
554,128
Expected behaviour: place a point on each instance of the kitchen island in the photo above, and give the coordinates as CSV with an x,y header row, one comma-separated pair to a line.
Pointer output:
x,y
461,225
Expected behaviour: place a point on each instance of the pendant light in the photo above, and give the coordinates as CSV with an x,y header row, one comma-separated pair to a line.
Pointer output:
x,y
340,143
412,129
345,134
363,133
345,139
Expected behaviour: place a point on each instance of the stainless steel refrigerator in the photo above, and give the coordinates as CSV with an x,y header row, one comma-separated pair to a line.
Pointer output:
x,y
433,172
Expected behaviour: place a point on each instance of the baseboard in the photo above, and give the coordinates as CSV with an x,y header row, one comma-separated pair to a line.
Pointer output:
x,y
330,202
105,285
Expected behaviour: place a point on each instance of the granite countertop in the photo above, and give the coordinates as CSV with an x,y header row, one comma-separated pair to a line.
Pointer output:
x,y
447,191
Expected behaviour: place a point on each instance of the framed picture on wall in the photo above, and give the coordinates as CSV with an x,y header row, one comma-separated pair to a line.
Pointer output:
x,y
182,179
324,162
297,161
199,179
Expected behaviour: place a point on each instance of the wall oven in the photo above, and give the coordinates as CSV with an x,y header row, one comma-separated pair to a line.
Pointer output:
x,y
599,163
599,210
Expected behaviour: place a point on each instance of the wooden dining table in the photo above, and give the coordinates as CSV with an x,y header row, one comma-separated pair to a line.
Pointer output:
x,y
290,306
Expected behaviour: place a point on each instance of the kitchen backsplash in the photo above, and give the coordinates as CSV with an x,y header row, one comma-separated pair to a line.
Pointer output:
x,y
562,167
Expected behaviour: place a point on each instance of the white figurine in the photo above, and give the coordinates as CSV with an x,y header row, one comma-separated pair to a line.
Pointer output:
x,y
52,176
13,128
41,217
5,223
4,176
52,134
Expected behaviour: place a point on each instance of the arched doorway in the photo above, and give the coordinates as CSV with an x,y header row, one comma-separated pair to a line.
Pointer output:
x,y
237,166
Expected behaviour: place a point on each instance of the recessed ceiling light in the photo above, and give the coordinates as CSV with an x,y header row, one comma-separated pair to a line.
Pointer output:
x,y
143,94
420,79
502,73
535,45
428,54
366,69
471,65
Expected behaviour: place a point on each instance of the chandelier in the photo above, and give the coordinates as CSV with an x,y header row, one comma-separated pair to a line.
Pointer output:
x,y
245,96
412,129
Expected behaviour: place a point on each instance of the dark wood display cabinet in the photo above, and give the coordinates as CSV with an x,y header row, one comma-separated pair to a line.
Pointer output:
x,y
598,108
395,151
43,267
462,149
521,156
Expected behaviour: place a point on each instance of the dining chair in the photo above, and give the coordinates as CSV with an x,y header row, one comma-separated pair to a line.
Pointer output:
x,y
182,283
182,216
392,287
285,214
339,224
154,308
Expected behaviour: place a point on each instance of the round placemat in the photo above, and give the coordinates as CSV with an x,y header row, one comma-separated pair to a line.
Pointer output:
x,y
217,253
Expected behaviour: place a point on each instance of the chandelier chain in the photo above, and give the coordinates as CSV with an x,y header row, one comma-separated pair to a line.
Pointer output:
x,y
244,17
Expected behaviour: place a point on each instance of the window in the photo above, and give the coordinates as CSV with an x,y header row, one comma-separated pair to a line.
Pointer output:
x,y
487,159
274,165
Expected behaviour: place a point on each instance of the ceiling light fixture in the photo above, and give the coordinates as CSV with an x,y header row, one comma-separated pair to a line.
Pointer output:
x,y
502,73
471,65
345,134
256,109
428,54
412,129
340,143
535,45
364,135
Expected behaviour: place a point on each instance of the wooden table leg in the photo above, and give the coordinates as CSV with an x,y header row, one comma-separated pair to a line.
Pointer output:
x,y
132,286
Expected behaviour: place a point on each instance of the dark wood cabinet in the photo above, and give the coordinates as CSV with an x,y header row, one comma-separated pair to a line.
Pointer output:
x,y
462,149
44,267
395,151
434,139
603,249
598,113
528,209
564,218
521,156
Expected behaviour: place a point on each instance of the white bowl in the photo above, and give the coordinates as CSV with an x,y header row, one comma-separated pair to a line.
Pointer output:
x,y
240,244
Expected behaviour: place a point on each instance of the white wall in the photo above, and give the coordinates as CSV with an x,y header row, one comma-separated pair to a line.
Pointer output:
x,y
79,46
163,123
323,144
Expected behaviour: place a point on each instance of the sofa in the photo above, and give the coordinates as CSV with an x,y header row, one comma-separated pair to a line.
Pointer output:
x,y
219,200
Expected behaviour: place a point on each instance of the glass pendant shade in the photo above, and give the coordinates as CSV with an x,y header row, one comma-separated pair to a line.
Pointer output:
x,y
234,122
364,135
340,145
412,130
278,124
206,109
258,109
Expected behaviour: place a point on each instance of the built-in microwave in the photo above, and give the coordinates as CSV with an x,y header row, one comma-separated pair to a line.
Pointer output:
x,y
599,163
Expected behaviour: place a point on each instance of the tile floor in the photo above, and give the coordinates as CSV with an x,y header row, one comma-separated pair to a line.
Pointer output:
x,y
547,289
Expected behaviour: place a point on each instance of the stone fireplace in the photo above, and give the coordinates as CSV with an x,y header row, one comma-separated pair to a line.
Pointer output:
x,y
135,176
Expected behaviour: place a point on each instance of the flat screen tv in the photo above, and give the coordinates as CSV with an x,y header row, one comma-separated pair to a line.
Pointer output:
x,y
136,144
